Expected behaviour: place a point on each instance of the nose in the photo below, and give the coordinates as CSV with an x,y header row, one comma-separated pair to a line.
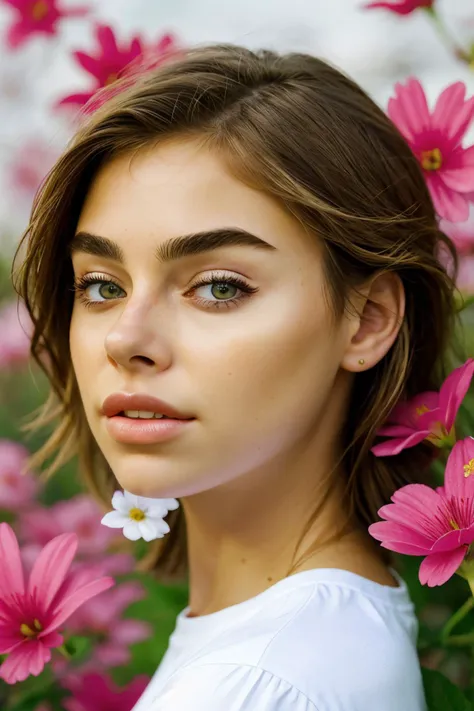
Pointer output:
x,y
133,345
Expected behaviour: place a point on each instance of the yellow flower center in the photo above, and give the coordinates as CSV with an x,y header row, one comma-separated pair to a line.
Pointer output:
x,y
431,160
469,468
28,632
39,10
136,514
421,410
111,78
454,525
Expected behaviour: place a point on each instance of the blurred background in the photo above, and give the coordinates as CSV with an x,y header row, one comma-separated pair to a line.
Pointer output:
x,y
37,72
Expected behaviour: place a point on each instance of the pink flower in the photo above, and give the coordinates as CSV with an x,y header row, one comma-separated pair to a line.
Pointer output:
x,y
97,692
111,62
16,490
461,233
438,524
102,616
16,329
435,139
80,514
401,7
37,17
429,415
30,616
30,165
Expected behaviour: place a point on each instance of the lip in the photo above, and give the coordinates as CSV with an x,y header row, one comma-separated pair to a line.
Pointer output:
x,y
118,402
138,431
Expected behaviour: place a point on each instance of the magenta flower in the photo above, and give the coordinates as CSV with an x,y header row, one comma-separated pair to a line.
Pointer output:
x,y
107,64
438,524
16,490
401,7
97,692
429,415
435,139
112,61
80,514
31,615
37,17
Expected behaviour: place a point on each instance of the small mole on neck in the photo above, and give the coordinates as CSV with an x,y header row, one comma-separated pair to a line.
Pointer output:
x,y
244,560
269,580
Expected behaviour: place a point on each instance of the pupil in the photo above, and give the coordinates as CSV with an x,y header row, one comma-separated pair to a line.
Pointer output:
x,y
223,287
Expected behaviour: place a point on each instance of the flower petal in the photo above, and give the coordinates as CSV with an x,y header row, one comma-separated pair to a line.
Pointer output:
x,y
396,445
453,391
395,533
456,483
451,205
70,603
452,115
131,531
29,659
115,519
52,566
12,580
438,568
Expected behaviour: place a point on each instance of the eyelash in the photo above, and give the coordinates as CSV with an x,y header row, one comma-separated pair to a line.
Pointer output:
x,y
81,285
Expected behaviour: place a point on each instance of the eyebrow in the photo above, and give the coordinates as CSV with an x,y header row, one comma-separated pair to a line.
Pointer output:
x,y
174,248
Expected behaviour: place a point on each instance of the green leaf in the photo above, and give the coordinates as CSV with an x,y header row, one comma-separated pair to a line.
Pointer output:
x,y
442,694
79,647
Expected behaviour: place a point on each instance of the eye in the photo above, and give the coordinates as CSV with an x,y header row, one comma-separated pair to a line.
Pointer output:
x,y
83,284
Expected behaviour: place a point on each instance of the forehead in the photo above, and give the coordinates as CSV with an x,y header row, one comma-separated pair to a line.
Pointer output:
x,y
180,187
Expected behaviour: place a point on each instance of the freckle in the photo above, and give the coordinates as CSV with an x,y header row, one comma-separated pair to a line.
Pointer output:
x,y
244,560
269,580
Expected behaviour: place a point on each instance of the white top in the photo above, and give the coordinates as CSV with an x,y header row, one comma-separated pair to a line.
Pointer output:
x,y
319,640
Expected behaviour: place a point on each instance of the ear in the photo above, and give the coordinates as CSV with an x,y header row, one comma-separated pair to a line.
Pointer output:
x,y
379,309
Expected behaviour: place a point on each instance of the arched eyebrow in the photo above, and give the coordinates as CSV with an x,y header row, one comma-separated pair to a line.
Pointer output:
x,y
174,248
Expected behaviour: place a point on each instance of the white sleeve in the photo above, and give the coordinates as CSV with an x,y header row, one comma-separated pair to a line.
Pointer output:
x,y
228,687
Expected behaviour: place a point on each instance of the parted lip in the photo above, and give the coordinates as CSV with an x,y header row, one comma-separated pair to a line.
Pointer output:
x,y
118,402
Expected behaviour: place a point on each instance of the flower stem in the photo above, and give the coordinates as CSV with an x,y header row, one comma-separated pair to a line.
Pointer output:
x,y
457,617
450,43
460,640
64,651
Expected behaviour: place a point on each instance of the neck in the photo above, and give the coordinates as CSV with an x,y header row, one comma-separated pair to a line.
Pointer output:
x,y
242,537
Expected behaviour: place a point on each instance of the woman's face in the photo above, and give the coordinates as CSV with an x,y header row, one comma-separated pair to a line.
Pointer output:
x,y
256,369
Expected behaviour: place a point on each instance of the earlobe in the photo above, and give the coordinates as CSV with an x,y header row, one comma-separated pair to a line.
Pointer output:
x,y
377,323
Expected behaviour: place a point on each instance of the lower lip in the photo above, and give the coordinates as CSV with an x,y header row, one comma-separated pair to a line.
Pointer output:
x,y
141,431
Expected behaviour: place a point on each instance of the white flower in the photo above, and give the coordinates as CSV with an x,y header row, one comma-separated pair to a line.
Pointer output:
x,y
139,516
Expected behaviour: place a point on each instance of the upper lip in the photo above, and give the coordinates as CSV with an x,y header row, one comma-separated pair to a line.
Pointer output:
x,y
118,402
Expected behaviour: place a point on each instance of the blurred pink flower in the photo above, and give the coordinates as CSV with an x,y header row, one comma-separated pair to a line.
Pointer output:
x,y
429,415
80,515
102,616
97,692
401,7
438,524
465,280
435,139
16,329
30,165
16,490
37,17
111,62
461,233
31,615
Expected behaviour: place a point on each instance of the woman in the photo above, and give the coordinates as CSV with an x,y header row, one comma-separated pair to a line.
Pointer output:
x,y
251,241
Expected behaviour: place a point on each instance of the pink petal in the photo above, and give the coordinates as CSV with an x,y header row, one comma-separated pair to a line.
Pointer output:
x,y
394,446
453,391
451,116
79,11
52,566
396,534
438,568
418,512
414,108
455,482
29,659
107,41
448,203
12,581
17,34
90,64
458,171
396,431
80,99
77,598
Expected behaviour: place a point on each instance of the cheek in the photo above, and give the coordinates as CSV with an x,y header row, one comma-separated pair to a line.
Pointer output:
x,y
280,358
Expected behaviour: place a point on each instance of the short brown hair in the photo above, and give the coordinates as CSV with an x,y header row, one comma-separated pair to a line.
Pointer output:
x,y
302,131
